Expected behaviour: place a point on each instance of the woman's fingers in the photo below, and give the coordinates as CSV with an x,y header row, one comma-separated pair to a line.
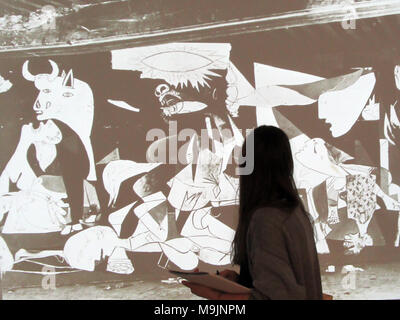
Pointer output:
x,y
225,273
229,274
327,296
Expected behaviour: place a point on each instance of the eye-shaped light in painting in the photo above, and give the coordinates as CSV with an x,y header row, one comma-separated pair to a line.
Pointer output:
x,y
176,63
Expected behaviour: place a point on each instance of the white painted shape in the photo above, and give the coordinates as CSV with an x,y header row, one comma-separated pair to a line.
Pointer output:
x,y
384,153
342,108
266,75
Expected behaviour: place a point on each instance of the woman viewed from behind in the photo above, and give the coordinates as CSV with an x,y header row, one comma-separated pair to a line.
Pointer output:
x,y
274,243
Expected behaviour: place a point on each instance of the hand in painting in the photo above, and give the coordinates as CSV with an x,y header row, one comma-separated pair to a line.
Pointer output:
x,y
356,242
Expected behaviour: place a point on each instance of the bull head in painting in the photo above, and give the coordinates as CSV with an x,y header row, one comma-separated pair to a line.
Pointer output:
x,y
61,97
66,99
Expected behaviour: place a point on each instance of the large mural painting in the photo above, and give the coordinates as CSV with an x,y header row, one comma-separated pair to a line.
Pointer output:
x,y
135,150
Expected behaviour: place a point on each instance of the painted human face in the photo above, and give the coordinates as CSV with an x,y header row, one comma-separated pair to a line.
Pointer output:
x,y
90,247
342,108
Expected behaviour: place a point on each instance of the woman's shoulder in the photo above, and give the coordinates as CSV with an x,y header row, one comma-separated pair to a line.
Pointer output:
x,y
270,214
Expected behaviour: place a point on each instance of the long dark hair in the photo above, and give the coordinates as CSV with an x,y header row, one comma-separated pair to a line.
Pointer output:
x,y
269,184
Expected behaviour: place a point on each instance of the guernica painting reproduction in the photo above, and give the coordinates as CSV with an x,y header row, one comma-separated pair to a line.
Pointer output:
x,y
121,162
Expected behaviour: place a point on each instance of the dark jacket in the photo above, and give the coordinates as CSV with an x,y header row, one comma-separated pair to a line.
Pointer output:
x,y
282,257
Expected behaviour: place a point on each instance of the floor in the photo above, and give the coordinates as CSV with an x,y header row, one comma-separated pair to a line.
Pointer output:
x,y
374,282
135,290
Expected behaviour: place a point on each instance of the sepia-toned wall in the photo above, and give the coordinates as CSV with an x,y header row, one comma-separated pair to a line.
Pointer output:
x,y
120,160
104,159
